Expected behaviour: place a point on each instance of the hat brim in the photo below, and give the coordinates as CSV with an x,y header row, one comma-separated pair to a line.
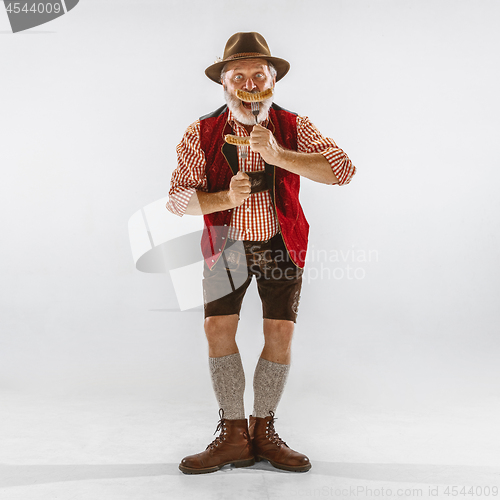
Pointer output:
x,y
282,67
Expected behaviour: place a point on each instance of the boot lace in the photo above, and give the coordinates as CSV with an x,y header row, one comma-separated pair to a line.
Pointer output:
x,y
221,426
271,433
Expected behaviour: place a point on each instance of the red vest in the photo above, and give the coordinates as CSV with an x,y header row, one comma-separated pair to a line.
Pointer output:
x,y
222,164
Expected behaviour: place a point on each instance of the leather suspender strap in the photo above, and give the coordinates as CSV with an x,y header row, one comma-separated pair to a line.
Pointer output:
x,y
270,180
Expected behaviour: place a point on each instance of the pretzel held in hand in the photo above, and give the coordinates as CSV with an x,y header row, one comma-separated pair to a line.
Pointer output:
x,y
237,140
257,97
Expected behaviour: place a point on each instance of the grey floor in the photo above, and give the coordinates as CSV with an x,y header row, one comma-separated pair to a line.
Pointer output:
x,y
129,448
103,404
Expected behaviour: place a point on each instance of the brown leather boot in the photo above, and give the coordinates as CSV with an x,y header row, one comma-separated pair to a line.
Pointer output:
x,y
231,446
268,445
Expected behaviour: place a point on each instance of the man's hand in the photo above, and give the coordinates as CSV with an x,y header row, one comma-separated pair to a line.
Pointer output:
x,y
239,188
208,203
314,166
262,141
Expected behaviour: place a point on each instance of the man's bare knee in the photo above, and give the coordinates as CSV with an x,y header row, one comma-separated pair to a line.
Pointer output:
x,y
220,328
278,331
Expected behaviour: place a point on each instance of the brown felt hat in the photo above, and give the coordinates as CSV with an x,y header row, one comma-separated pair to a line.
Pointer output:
x,y
247,46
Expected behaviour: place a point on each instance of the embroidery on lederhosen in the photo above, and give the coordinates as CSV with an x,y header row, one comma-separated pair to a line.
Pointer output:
x,y
295,303
263,258
231,259
258,181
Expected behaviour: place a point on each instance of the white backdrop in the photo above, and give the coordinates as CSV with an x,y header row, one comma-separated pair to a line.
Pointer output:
x,y
93,105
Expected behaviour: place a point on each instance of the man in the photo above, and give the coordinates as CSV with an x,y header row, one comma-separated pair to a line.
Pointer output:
x,y
254,226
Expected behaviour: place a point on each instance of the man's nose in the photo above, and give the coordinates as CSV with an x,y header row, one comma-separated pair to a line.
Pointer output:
x,y
249,85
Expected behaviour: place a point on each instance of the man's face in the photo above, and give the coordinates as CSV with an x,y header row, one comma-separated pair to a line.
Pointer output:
x,y
251,75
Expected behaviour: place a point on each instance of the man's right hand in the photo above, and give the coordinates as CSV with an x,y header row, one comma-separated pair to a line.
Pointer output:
x,y
239,188
202,202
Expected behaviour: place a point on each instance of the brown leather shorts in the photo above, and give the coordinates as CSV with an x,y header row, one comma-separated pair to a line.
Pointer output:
x,y
279,280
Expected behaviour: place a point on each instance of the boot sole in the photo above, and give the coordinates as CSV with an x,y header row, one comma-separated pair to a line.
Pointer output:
x,y
215,468
290,468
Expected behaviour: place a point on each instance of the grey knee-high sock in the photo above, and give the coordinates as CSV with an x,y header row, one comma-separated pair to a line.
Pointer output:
x,y
228,380
268,385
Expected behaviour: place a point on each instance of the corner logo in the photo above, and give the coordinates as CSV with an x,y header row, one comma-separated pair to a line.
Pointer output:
x,y
26,14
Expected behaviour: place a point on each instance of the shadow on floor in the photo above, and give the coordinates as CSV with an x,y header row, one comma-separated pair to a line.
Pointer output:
x,y
23,475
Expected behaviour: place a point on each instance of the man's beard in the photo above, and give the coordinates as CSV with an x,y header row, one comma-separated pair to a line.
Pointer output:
x,y
246,117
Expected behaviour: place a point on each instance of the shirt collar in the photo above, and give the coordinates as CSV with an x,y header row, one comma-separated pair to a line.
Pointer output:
x,y
235,124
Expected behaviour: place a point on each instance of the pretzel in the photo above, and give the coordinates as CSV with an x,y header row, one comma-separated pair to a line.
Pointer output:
x,y
237,140
257,97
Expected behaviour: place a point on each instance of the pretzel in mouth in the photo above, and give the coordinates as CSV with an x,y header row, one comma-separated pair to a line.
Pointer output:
x,y
254,97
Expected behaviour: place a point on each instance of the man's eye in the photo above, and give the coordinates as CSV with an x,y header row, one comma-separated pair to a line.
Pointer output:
x,y
259,75
238,77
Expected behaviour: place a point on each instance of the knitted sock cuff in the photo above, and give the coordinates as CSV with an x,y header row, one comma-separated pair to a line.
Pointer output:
x,y
229,362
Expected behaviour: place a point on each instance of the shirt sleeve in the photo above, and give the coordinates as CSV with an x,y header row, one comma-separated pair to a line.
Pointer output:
x,y
310,140
189,175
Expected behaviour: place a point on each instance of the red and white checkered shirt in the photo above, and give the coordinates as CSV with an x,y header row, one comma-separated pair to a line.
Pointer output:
x,y
255,219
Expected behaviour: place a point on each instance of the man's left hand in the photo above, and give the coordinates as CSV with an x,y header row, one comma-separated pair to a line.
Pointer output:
x,y
262,141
